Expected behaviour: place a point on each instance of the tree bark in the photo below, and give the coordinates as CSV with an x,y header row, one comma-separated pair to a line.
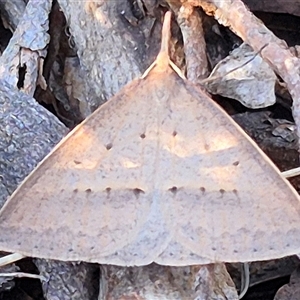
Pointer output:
x,y
111,49
276,6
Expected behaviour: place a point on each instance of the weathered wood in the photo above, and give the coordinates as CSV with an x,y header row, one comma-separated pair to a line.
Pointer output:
x,y
290,291
12,11
68,280
111,47
276,6
166,283
190,22
27,47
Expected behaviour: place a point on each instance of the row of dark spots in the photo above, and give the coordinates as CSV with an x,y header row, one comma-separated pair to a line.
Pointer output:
x,y
271,248
135,191
110,145
138,191
71,249
88,191
52,248
142,136
222,191
75,191
174,190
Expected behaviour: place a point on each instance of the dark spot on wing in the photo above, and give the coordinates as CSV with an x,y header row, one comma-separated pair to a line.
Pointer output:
x,y
137,192
109,146
142,136
174,133
173,189
88,191
236,163
202,189
222,191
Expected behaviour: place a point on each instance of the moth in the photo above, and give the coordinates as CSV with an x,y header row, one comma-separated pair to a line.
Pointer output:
x,y
159,173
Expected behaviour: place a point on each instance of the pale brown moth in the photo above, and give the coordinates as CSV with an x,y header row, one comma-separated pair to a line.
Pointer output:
x,y
160,173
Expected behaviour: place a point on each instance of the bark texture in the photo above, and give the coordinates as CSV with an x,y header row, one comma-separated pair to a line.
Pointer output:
x,y
166,283
111,47
276,6
235,14
27,133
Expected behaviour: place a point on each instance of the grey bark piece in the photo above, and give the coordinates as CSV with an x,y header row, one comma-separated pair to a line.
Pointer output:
x,y
67,280
7,283
190,22
244,76
290,291
11,12
264,271
26,46
27,133
33,33
166,283
276,6
112,50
